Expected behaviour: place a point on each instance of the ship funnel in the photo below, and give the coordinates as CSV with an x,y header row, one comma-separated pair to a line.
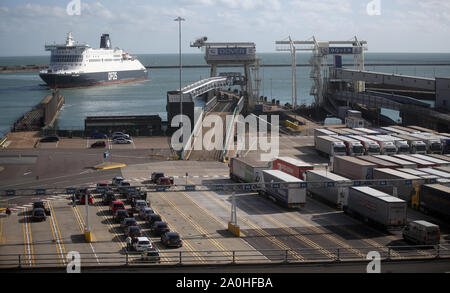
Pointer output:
x,y
105,42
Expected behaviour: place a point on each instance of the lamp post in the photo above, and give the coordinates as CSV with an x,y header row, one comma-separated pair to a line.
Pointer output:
x,y
180,19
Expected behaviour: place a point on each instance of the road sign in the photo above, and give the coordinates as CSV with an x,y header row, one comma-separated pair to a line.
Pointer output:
x,y
10,192
70,190
190,187
160,188
219,187
276,186
303,185
247,187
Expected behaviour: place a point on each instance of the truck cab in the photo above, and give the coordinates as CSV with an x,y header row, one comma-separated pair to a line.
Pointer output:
x,y
388,148
422,232
339,149
402,147
418,147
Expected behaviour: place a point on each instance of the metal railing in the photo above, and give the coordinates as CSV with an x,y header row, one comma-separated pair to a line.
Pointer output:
x,y
264,256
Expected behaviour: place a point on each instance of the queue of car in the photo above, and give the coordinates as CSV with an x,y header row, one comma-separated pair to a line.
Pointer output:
x,y
117,138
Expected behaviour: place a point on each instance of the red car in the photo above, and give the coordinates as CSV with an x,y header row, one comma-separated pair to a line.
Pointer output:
x,y
163,181
83,199
116,205
98,144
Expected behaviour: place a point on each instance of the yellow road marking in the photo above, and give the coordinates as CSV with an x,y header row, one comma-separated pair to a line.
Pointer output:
x,y
57,235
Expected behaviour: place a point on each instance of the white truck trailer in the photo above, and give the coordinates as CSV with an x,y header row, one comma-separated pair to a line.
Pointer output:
x,y
376,207
329,191
244,170
330,146
272,187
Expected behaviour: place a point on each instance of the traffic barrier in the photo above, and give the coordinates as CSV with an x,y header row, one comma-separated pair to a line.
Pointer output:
x,y
292,125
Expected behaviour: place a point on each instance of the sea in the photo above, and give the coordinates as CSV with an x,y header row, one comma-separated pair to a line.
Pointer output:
x,y
21,91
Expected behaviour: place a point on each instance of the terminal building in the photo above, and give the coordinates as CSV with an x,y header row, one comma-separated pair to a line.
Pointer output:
x,y
137,125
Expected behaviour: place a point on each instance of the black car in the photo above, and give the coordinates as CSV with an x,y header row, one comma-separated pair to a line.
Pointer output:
x,y
121,215
98,144
156,175
50,138
152,218
41,205
171,239
160,228
81,192
133,231
108,197
38,214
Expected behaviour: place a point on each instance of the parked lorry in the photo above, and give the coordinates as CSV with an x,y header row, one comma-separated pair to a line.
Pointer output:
x,y
376,207
445,140
379,162
324,184
370,146
432,198
387,146
353,168
330,146
419,162
440,173
416,146
398,161
272,187
323,132
433,142
353,146
401,189
291,166
437,161
245,170
367,131
401,144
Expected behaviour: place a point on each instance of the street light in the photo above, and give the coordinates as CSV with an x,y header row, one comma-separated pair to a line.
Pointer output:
x,y
180,19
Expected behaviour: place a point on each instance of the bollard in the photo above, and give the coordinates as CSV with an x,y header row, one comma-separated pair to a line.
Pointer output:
x,y
234,261
286,256
126,260
389,254
20,262
338,255
180,259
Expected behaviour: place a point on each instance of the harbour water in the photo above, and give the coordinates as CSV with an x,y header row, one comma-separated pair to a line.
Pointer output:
x,y
19,92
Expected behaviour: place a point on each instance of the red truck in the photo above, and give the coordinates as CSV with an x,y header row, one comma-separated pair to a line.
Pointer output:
x,y
116,205
291,166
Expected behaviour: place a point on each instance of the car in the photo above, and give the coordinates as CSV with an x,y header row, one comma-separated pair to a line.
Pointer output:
x,y
122,140
41,205
108,197
50,138
171,239
116,205
150,255
133,231
159,228
139,244
81,192
120,135
128,222
163,181
143,213
98,144
98,135
156,175
117,180
152,218
120,215
102,186
138,204
422,232
82,199
38,214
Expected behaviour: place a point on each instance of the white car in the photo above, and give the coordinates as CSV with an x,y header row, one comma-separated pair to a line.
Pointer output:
x,y
120,134
122,140
140,243
143,213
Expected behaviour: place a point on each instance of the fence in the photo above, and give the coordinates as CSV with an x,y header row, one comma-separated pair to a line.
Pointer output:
x,y
268,256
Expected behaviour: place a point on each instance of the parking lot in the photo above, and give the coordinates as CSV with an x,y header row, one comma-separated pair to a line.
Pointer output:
x,y
269,233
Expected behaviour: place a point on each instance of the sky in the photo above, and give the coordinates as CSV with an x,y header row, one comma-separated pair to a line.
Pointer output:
x,y
148,27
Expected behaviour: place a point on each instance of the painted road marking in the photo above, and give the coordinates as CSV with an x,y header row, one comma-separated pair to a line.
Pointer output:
x,y
82,225
61,250
28,240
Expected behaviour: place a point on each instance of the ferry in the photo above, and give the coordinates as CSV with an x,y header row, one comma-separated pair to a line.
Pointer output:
x,y
76,65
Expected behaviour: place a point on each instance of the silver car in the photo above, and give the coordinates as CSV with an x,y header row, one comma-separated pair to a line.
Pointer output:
x,y
122,140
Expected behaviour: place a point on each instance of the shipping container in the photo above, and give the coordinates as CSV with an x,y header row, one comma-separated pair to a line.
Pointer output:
x,y
292,197
291,166
403,163
244,170
379,162
376,207
329,192
402,190
353,168
435,198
